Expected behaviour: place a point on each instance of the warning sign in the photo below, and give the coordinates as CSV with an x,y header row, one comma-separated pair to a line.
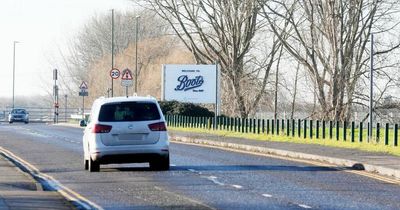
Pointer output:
x,y
83,86
126,75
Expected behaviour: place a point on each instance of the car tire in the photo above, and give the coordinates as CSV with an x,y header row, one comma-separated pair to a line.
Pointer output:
x,y
162,164
10,122
86,164
93,166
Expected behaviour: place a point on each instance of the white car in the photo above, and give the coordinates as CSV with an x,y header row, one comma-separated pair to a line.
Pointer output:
x,y
126,130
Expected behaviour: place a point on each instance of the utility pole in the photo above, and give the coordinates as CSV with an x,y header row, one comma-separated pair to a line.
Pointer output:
x,y
13,89
66,106
112,50
371,92
136,54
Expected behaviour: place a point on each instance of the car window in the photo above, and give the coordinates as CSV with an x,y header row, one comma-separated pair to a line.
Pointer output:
x,y
129,111
18,111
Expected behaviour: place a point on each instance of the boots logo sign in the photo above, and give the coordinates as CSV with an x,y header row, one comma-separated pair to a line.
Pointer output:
x,y
185,84
190,83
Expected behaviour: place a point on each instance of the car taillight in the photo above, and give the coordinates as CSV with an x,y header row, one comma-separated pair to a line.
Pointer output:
x,y
160,126
98,128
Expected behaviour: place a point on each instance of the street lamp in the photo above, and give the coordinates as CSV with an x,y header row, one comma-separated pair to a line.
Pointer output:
x,y
13,93
136,50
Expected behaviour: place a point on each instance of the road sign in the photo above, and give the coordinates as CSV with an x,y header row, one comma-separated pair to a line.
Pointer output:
x,y
126,79
83,92
114,73
83,86
126,74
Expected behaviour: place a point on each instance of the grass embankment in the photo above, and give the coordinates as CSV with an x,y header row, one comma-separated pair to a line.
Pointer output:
x,y
372,146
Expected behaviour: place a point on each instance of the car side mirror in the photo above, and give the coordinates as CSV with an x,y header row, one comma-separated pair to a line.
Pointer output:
x,y
82,123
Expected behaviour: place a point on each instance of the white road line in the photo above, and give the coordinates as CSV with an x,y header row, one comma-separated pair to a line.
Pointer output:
x,y
237,186
305,206
172,165
267,195
214,179
192,170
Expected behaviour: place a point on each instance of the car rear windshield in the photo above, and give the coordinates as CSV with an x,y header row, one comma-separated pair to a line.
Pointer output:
x,y
18,111
129,111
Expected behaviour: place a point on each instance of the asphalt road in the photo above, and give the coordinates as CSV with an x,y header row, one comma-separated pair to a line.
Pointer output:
x,y
200,178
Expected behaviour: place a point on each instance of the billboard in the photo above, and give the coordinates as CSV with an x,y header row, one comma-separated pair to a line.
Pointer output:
x,y
190,83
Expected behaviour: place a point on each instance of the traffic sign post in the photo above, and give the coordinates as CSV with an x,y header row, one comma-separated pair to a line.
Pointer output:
x,y
83,92
127,79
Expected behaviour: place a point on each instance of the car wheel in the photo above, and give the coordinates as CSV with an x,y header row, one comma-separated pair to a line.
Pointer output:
x,y
162,164
10,122
94,166
86,164
26,122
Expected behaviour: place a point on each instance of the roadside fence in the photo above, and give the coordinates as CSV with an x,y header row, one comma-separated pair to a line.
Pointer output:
x,y
306,129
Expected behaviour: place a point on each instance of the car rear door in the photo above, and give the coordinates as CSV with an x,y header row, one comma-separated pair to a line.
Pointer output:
x,y
130,123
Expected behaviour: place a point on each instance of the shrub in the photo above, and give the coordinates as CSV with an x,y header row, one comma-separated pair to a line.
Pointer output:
x,y
185,109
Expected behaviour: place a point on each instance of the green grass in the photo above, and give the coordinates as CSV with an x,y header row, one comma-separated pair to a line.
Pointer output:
x,y
372,146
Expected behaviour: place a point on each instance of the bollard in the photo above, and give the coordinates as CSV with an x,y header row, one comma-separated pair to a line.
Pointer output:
x,y
277,127
287,127
258,126
247,125
353,125
396,129
272,127
387,134
378,128
263,126
344,130
293,127
311,129
299,128
360,132
243,120
267,126
305,129
331,129
337,130
323,129
283,126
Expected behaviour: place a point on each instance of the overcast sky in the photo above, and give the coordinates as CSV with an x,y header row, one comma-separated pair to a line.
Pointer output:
x,y
41,27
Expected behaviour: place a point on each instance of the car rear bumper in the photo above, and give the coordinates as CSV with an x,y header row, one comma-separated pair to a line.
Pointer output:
x,y
123,155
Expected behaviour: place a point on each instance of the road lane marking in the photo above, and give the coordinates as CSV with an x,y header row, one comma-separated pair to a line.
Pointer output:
x,y
214,180
310,162
172,165
304,206
237,186
69,194
267,195
192,170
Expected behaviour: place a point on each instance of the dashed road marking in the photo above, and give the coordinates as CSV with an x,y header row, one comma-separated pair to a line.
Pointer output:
x,y
237,186
267,195
305,206
214,179
192,170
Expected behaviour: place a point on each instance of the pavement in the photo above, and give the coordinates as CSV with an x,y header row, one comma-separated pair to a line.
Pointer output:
x,y
379,163
19,191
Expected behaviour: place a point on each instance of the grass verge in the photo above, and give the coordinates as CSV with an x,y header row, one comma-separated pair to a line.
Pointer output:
x,y
364,146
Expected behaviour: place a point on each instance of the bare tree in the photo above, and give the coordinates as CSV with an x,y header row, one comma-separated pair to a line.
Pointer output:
x,y
222,31
333,38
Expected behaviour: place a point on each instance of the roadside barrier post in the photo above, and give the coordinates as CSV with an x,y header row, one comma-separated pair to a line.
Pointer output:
x,y
235,124
258,126
323,129
311,129
317,130
387,134
352,130
247,125
283,126
331,129
337,130
299,128
263,126
254,125
305,129
272,127
396,129
293,127
277,126
287,127
368,133
378,132
243,120
344,130
267,126
360,132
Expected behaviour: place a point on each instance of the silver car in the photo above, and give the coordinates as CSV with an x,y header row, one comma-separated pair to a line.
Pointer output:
x,y
18,115
125,130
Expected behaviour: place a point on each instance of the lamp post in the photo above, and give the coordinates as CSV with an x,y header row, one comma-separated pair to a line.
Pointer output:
x,y
112,50
371,91
13,90
136,52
